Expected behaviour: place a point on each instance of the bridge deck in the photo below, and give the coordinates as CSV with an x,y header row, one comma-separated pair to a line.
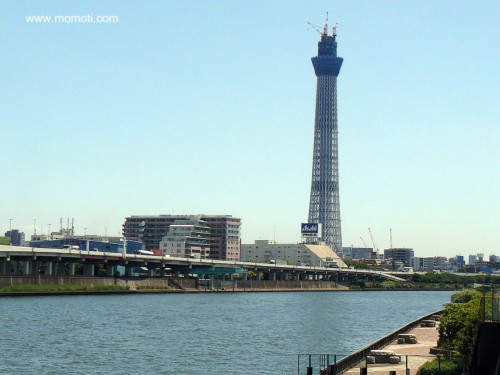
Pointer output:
x,y
49,254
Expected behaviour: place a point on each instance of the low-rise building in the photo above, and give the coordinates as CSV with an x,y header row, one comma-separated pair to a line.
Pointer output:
x,y
16,237
358,253
431,264
300,254
401,254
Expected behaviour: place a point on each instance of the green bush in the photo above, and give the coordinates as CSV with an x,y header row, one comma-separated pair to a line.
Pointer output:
x,y
444,366
458,325
389,284
465,296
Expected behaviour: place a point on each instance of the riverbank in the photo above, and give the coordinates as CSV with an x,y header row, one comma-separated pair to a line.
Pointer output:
x,y
44,286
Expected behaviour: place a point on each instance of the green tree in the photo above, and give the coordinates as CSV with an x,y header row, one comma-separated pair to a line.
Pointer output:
x,y
4,240
388,284
465,296
361,283
458,325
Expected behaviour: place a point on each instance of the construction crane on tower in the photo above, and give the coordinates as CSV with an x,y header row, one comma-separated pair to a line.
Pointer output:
x,y
373,242
324,32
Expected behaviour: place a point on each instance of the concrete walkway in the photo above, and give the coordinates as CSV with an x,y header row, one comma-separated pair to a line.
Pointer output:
x,y
418,354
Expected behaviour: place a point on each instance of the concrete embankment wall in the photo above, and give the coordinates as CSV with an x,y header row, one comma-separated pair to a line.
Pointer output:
x,y
173,283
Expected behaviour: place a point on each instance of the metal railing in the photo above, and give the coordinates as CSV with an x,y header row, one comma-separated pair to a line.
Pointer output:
x,y
325,364
490,307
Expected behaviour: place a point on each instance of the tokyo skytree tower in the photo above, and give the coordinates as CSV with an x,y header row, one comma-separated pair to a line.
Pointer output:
x,y
324,206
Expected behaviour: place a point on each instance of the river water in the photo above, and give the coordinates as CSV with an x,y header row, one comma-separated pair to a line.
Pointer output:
x,y
213,333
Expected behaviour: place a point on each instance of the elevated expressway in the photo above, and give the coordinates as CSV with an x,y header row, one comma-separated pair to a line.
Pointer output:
x,y
31,260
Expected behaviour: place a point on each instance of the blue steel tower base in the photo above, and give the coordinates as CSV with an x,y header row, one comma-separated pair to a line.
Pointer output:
x,y
324,206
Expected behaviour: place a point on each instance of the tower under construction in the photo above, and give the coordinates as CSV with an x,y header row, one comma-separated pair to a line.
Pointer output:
x,y
324,207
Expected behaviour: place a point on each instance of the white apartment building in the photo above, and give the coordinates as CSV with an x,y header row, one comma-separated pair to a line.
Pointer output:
x,y
187,238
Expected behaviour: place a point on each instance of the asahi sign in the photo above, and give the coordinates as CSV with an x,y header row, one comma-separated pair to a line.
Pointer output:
x,y
311,229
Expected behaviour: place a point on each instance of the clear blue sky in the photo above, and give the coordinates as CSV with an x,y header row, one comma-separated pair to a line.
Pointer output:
x,y
208,107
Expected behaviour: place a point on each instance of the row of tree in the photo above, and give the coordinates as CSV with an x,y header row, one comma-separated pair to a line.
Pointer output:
x,y
457,331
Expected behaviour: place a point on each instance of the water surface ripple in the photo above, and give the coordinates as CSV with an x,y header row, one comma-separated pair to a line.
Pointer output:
x,y
218,333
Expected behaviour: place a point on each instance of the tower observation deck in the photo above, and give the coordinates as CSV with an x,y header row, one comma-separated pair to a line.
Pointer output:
x,y
324,206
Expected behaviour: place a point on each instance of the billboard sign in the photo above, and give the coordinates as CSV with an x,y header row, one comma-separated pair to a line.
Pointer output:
x,y
310,229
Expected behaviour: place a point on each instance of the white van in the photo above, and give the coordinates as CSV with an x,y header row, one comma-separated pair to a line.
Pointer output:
x,y
144,252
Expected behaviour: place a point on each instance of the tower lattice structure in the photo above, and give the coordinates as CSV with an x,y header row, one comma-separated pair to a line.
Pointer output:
x,y
324,206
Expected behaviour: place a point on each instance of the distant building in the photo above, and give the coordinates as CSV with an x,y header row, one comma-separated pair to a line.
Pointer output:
x,y
225,237
359,253
460,261
16,237
90,245
431,264
472,260
301,254
224,232
187,238
39,237
404,255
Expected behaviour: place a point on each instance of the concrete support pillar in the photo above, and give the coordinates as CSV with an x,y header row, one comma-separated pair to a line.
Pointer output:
x,y
72,269
35,265
48,268
61,268
128,271
88,270
110,270
272,275
3,266
26,267
151,273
